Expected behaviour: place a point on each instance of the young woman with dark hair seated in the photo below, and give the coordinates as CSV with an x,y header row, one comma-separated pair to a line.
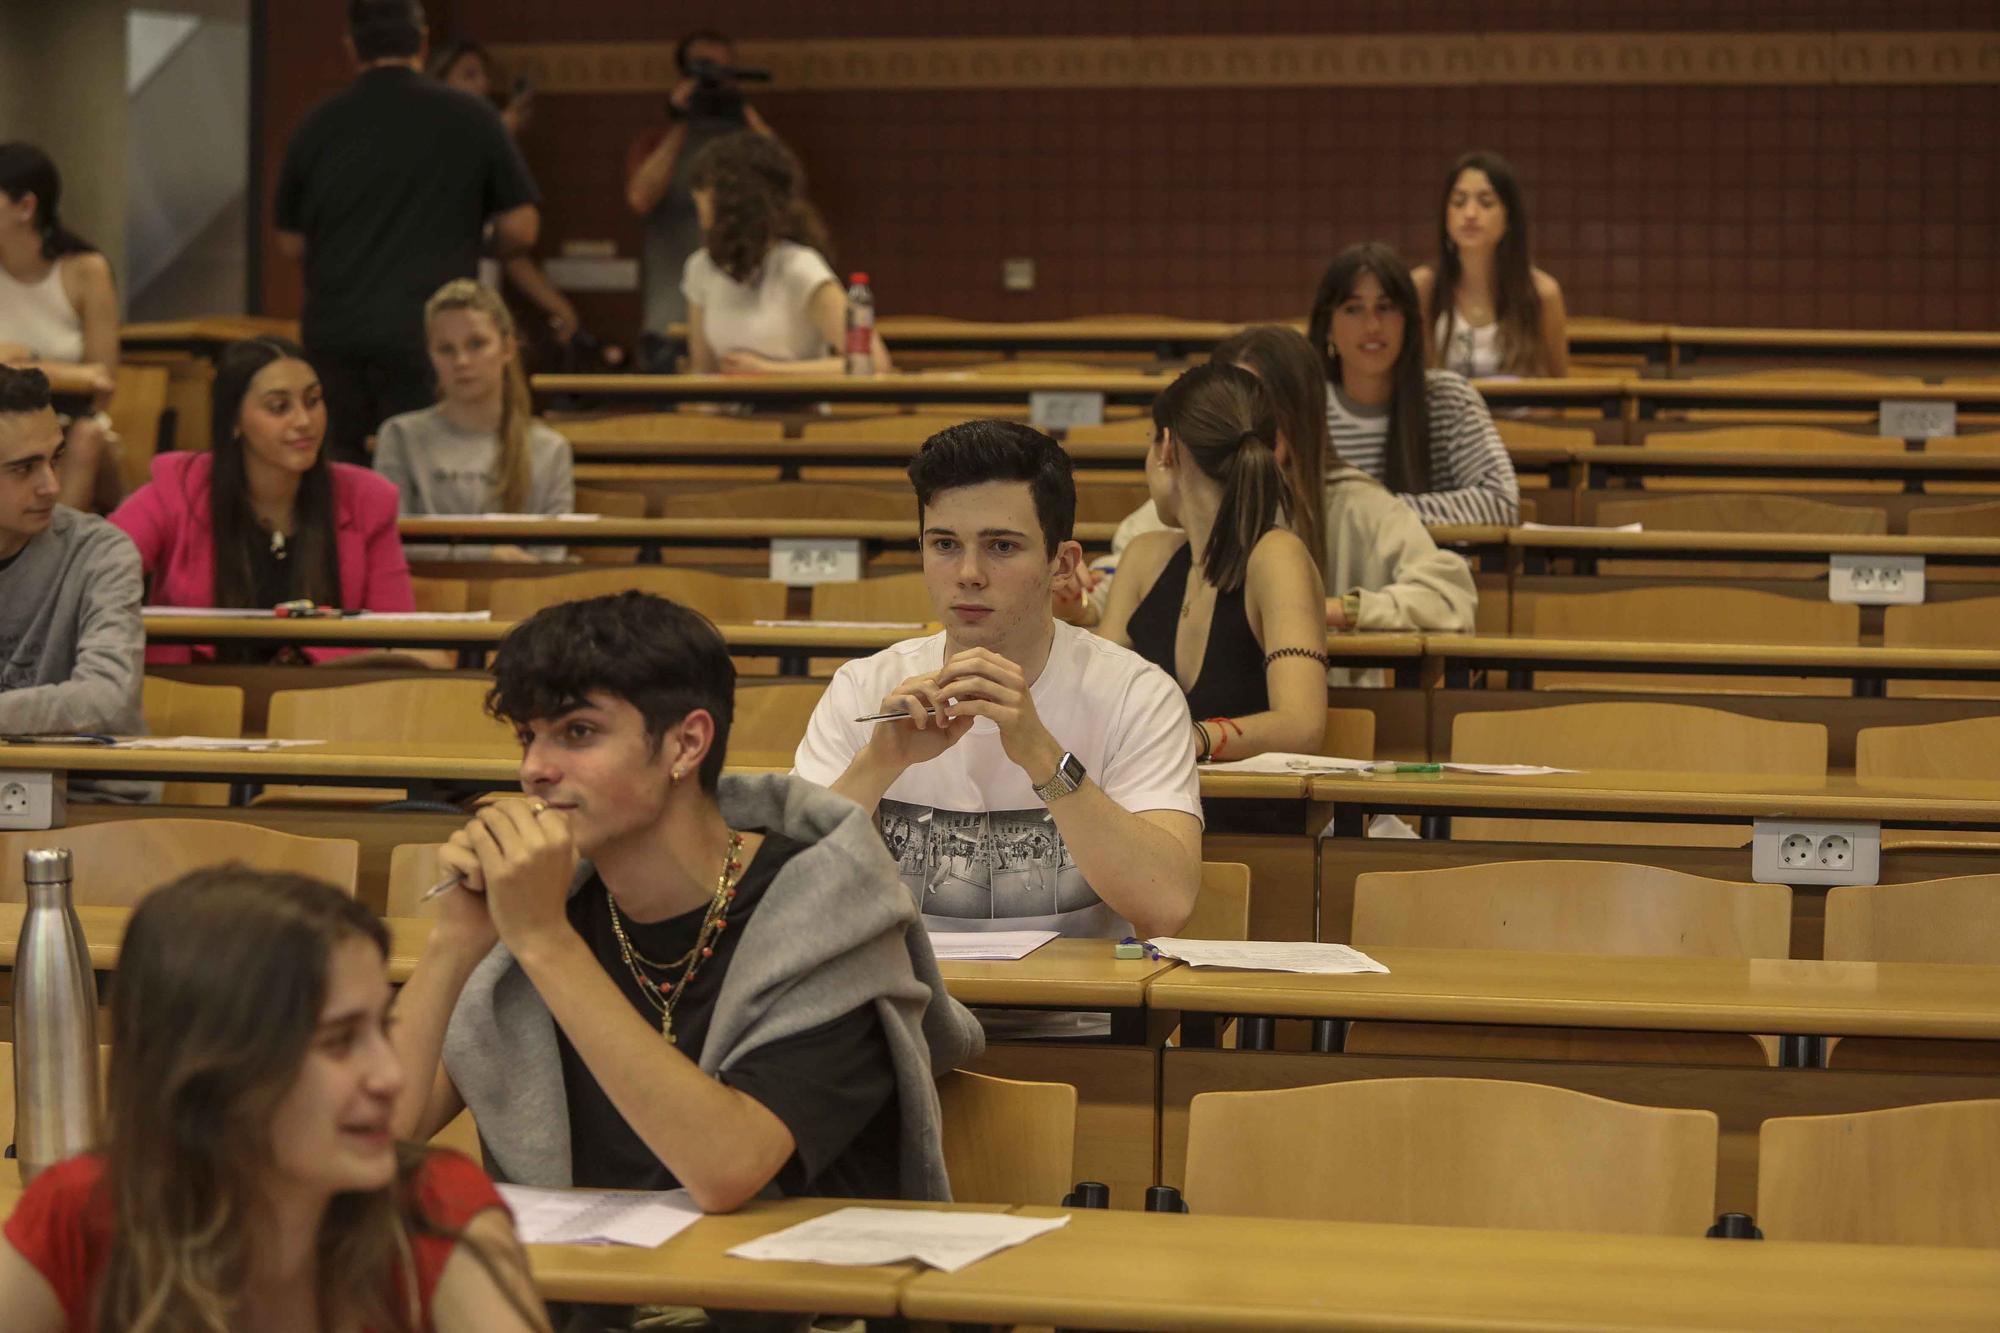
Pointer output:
x,y
1489,309
1427,436
1228,600
248,1177
263,516
762,299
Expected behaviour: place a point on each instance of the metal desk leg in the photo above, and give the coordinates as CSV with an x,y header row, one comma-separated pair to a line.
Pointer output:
x,y
1329,1035
1256,1032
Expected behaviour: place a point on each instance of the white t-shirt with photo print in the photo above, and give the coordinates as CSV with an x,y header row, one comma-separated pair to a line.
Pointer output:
x,y
977,847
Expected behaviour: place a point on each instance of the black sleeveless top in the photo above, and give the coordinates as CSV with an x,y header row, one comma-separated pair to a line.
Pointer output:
x,y
1231,683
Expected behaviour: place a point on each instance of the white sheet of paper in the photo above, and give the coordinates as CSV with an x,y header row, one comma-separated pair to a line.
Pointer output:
x,y
211,743
838,624
208,612
1267,955
599,1217
855,1236
1508,770
1279,762
972,946
457,616
517,518
1582,527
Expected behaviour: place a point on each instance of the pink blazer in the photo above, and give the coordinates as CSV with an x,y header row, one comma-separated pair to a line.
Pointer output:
x,y
168,519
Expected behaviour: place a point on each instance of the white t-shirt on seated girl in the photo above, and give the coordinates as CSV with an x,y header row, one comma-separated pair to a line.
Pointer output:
x,y
768,315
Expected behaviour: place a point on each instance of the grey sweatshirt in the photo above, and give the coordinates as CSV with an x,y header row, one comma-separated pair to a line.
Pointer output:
x,y
441,471
72,647
835,930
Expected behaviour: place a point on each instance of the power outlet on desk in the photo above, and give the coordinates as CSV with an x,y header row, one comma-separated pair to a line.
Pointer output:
x,y
32,800
1876,580
1790,851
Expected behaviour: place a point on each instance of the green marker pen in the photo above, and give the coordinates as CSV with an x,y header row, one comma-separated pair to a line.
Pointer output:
x,y
1391,766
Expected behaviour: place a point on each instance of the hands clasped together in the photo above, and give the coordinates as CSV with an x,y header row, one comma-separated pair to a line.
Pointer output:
x,y
971,684
515,861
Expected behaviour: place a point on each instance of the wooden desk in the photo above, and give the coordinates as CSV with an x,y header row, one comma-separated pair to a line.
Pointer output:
x,y
1890,351
1194,1274
652,535
1587,546
796,392
206,336
1603,394
630,457
1760,995
1649,398
1169,339
1606,467
1662,796
1868,666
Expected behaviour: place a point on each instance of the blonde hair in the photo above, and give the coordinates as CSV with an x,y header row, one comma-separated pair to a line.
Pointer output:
x,y
517,412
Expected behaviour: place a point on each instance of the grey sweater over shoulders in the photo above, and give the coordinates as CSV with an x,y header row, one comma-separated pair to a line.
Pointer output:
x,y
836,930
441,471
72,645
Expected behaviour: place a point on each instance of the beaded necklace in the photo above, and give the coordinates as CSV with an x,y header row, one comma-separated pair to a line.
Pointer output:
x,y
658,995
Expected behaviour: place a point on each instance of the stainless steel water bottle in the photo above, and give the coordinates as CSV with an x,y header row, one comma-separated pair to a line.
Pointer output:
x,y
55,1022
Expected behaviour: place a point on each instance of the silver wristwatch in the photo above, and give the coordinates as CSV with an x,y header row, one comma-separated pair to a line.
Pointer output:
x,y
1066,779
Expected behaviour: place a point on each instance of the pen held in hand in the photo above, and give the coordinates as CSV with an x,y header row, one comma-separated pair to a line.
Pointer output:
x,y
897,716
448,882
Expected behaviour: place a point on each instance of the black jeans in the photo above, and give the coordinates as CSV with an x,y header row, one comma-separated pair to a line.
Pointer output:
x,y
366,388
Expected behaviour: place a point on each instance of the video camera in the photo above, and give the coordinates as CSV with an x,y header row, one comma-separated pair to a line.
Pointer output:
x,y
718,94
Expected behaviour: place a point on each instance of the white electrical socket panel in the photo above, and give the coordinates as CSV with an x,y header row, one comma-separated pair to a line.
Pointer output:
x,y
1876,580
32,800
1017,275
799,561
1794,851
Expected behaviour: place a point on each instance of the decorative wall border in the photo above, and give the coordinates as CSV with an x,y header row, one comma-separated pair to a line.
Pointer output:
x,y
1304,61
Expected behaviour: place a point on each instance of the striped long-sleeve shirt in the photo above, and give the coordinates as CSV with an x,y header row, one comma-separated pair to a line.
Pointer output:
x,y
1471,475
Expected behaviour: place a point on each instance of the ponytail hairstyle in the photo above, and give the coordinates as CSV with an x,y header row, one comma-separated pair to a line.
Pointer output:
x,y
1517,306
1220,417
314,563
1294,381
517,412
759,201
1407,455
26,169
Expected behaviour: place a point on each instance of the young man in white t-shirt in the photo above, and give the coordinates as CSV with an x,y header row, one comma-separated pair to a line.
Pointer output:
x,y
1045,778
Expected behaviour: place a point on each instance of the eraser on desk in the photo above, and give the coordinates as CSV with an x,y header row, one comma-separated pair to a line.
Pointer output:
x,y
1133,951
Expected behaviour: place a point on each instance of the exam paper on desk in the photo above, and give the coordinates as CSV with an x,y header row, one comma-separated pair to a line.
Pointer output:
x,y
976,946
1268,955
599,1217
211,743
860,1236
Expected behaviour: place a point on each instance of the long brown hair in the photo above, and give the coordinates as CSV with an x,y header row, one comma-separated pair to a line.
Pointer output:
x,y
220,984
313,564
515,480
1220,416
759,200
1294,381
1517,306
1406,457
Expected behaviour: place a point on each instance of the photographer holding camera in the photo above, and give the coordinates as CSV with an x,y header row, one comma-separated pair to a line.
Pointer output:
x,y
705,105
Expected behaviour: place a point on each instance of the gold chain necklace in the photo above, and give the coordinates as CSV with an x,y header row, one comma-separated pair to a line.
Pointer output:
x,y
658,996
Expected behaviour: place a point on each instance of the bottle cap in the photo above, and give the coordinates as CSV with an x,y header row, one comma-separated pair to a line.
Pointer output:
x,y
46,865
861,278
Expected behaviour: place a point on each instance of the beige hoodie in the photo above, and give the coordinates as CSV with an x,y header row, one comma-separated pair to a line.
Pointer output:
x,y
1376,546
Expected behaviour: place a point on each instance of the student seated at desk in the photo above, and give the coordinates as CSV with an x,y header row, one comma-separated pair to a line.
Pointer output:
x,y
248,1176
1427,436
1225,597
264,516
761,298
71,642
730,994
1045,778
1492,312
480,450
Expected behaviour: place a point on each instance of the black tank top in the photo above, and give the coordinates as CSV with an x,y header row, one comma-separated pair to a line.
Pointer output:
x,y
1231,683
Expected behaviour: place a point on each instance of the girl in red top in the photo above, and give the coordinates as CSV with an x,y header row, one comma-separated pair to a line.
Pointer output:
x,y
248,1178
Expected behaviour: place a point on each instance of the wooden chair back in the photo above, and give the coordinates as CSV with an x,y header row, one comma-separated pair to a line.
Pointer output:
x,y
1962,750
1984,445
1109,502
1741,513
1349,734
611,504
670,428
1453,1152
1815,441
413,872
911,428
891,598
1964,623
1133,430
1977,520
1222,908
721,598
1910,1175
1007,1141
179,708
445,596
796,499
1516,433
1707,614
771,720
118,862
1954,920
1641,735
1600,907
138,399
449,710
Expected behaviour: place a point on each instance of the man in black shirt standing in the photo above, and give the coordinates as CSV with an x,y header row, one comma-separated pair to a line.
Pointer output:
x,y
385,193
731,993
